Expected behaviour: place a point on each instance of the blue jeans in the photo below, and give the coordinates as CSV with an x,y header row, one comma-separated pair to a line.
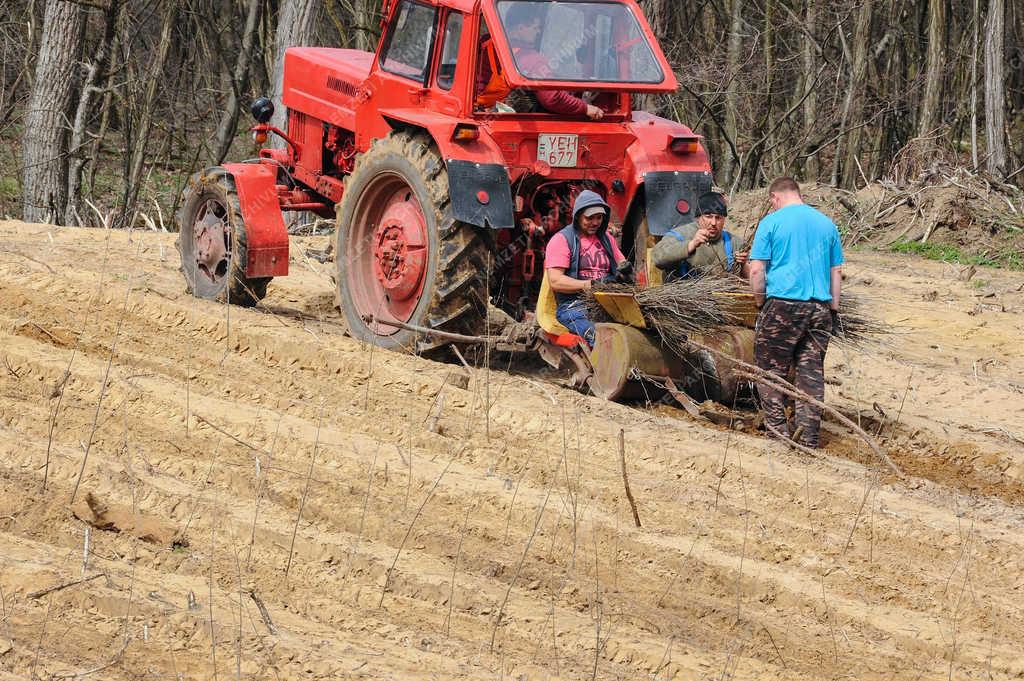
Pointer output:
x,y
573,316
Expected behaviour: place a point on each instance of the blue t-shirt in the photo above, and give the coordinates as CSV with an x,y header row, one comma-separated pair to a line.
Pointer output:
x,y
801,246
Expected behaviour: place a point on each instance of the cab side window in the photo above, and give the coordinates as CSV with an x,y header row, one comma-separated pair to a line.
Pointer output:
x,y
407,52
450,51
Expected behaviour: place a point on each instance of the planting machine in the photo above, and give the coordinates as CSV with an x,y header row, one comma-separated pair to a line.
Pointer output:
x,y
443,200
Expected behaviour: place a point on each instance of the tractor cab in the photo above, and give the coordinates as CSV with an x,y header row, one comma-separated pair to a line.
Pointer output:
x,y
488,58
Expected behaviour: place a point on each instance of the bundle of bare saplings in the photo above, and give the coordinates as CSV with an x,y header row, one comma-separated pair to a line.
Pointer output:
x,y
691,306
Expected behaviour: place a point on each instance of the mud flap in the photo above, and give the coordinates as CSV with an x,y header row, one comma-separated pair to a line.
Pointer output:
x,y
481,194
266,235
663,191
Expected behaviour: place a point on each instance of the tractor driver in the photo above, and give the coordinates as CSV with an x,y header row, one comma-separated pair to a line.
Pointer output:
x,y
579,255
523,25
693,251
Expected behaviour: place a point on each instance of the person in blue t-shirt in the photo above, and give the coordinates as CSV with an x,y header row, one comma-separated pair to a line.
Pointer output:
x,y
796,277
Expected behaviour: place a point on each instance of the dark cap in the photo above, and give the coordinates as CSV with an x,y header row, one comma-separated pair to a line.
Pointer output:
x,y
711,203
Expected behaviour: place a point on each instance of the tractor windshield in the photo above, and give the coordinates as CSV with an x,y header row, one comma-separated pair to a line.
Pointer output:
x,y
578,41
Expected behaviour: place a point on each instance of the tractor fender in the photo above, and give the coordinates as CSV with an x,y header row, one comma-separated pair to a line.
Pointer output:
x,y
479,186
671,182
265,232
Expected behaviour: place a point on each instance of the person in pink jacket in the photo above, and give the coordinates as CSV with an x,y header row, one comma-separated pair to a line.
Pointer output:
x,y
522,26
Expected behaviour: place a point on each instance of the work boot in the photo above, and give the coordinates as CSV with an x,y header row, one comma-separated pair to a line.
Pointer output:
x,y
807,438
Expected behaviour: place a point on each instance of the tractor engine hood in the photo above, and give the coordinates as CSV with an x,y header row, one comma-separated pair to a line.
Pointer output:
x,y
604,45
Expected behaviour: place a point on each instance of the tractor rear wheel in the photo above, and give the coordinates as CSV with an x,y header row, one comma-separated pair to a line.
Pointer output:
x,y
401,254
212,241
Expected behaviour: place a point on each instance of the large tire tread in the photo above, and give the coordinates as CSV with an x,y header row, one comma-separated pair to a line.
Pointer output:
x,y
458,295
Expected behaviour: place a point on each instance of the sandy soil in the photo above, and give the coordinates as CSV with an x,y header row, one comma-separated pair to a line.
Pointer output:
x,y
393,527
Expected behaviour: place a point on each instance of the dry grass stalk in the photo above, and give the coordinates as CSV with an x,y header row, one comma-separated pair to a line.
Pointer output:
x,y
412,523
305,492
261,484
455,569
64,585
625,477
519,568
362,518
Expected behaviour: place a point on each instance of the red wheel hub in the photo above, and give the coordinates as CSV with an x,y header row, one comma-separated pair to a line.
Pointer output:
x,y
387,252
399,261
211,240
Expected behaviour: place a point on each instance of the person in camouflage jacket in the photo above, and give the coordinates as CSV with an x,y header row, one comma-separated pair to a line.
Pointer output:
x,y
694,250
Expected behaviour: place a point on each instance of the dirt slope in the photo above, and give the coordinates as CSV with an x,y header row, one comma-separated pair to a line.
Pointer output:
x,y
503,538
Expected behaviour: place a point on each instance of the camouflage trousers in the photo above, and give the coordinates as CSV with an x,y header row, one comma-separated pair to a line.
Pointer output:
x,y
793,335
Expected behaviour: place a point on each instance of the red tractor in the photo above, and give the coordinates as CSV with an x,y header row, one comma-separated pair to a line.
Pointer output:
x,y
444,170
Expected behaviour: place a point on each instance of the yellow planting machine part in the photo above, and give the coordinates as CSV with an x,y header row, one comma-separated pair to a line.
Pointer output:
x,y
630,362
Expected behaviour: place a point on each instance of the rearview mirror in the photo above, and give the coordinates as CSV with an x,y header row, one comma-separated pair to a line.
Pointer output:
x,y
262,110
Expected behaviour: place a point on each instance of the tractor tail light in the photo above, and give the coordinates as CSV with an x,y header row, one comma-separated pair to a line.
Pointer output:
x,y
465,132
684,145
260,137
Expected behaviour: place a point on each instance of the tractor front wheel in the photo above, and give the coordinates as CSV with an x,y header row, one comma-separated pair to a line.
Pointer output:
x,y
401,255
212,241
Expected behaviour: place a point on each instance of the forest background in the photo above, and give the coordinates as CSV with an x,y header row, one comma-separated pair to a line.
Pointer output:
x,y
107,106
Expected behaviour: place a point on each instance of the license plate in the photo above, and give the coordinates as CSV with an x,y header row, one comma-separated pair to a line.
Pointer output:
x,y
558,151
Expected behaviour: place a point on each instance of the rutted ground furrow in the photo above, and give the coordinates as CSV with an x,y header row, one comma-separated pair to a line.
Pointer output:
x,y
752,561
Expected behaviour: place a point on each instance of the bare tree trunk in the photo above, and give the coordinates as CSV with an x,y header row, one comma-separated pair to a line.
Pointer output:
x,y
732,93
105,107
44,144
9,90
357,22
33,31
154,75
974,86
935,70
94,72
658,14
810,64
239,83
854,105
995,113
294,27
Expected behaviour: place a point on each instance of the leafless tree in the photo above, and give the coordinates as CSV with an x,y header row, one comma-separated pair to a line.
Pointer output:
x,y
294,27
94,75
239,83
936,64
44,143
995,111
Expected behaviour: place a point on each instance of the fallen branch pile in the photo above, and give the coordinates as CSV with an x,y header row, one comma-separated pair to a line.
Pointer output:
x,y
924,204
857,328
677,310
680,308
965,206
